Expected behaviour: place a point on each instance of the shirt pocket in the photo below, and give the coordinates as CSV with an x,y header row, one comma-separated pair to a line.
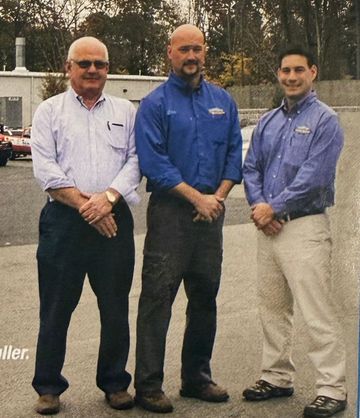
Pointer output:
x,y
298,149
216,128
118,140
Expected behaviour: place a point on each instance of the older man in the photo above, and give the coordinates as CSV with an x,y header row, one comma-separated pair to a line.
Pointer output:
x,y
189,145
289,175
84,157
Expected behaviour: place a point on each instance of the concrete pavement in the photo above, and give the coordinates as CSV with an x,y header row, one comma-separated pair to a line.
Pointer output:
x,y
237,352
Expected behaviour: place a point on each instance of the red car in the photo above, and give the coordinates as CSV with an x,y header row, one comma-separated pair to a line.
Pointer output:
x,y
20,144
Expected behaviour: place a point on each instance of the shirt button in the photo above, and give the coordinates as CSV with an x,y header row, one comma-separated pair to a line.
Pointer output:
x,y
279,156
283,137
201,154
274,175
289,119
270,195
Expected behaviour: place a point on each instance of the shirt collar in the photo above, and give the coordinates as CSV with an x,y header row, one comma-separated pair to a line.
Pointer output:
x,y
79,99
182,84
301,104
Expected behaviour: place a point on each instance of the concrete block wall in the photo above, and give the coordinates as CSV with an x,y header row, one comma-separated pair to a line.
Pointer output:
x,y
334,93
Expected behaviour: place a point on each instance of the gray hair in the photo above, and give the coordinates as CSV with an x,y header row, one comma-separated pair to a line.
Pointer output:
x,y
86,40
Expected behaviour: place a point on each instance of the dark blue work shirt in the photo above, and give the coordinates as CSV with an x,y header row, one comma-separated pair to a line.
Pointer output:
x,y
187,135
291,162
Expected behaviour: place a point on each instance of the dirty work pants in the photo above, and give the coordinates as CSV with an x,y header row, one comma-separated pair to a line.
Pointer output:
x,y
69,249
176,249
294,266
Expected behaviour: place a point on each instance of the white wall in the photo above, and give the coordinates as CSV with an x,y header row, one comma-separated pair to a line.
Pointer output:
x,y
28,86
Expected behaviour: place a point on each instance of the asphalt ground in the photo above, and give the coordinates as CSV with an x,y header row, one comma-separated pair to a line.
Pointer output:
x,y
237,352
21,201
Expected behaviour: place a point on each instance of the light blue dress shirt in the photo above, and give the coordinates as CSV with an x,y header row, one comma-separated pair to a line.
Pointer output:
x,y
91,150
291,162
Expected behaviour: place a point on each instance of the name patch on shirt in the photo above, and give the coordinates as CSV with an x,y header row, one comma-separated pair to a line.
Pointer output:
x,y
171,112
302,130
216,111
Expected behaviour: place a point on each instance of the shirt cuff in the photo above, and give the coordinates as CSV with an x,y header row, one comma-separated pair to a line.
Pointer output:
x,y
127,191
279,207
132,198
233,174
57,184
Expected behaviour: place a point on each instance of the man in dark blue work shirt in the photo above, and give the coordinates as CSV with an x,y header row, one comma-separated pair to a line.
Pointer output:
x,y
190,150
289,175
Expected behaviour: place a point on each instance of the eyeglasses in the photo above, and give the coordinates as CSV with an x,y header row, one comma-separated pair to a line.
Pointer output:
x,y
99,65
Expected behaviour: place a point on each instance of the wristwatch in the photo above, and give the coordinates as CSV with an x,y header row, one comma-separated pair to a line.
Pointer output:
x,y
110,197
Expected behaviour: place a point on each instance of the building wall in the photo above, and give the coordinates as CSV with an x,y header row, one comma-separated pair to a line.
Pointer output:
x,y
334,93
27,85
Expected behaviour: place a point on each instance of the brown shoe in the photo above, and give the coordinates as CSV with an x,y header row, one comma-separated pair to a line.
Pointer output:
x,y
48,404
154,401
120,400
210,392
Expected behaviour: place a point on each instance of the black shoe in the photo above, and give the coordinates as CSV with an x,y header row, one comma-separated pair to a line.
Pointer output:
x,y
323,406
210,392
263,390
155,401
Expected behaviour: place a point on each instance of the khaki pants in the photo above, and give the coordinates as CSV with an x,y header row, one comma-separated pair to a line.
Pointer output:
x,y
295,266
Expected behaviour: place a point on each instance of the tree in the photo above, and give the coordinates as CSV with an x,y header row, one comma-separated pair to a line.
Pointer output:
x,y
53,84
234,29
316,24
135,33
244,36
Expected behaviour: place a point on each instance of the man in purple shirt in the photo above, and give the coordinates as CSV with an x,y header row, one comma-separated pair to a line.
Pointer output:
x,y
289,175
83,151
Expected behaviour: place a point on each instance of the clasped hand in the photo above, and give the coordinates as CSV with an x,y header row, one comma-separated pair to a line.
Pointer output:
x,y
97,212
208,208
263,217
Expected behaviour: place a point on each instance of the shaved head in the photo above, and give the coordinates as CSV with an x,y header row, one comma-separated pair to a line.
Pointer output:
x,y
186,52
184,31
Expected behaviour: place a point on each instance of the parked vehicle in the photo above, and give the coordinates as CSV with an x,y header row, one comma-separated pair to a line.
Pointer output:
x,y
4,132
5,148
21,144
5,152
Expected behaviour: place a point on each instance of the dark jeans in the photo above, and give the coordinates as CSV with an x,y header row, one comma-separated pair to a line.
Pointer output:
x,y
177,249
69,249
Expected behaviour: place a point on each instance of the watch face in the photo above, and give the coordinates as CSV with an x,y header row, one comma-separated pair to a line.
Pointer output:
x,y
110,196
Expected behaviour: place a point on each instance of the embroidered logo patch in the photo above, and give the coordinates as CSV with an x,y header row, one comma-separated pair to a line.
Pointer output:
x,y
216,111
171,112
302,130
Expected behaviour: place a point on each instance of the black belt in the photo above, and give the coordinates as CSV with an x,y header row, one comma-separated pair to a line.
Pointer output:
x,y
299,214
